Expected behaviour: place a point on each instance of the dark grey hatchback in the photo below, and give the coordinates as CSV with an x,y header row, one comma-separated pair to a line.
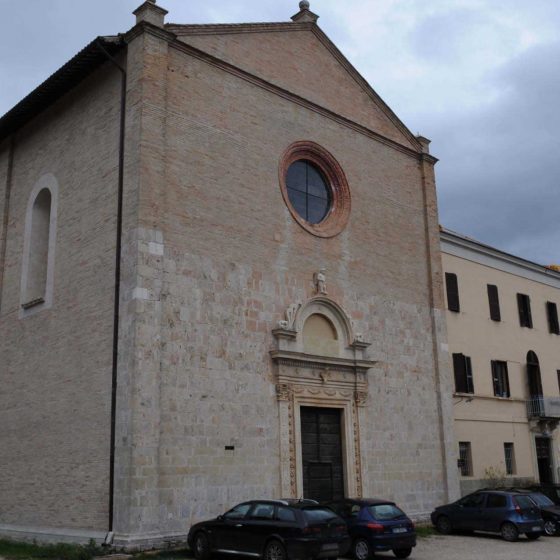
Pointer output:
x,y
273,530
506,512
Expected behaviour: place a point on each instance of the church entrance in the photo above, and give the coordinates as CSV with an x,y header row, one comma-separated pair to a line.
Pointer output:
x,y
321,441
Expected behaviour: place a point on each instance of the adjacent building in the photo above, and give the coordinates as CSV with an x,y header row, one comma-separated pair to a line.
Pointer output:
x,y
504,340
220,280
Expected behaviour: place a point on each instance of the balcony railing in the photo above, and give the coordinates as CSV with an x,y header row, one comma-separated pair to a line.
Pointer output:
x,y
543,407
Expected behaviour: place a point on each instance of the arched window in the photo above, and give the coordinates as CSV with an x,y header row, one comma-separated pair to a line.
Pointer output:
x,y
320,336
38,251
39,247
534,375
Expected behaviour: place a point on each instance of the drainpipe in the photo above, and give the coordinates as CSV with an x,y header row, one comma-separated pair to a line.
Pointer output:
x,y
7,198
118,250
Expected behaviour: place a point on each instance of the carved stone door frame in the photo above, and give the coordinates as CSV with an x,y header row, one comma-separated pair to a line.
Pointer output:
x,y
322,381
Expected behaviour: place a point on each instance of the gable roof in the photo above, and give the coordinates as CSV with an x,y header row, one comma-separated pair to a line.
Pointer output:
x,y
63,80
237,43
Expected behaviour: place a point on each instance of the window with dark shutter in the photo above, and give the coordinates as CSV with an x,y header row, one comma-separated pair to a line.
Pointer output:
x,y
452,292
524,306
462,369
552,314
500,379
509,457
494,302
465,458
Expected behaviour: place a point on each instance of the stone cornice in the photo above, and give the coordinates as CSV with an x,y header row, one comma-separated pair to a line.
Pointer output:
x,y
299,359
229,28
428,158
146,27
469,249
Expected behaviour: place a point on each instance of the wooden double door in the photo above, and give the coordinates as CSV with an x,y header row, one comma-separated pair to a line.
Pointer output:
x,y
321,439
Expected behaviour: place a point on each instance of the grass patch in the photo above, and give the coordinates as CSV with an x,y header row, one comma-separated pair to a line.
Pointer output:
x,y
423,531
13,550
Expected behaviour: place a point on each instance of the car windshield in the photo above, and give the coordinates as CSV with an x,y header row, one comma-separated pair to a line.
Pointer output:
x,y
541,500
316,515
386,512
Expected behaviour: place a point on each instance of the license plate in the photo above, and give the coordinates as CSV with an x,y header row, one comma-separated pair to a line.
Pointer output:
x,y
330,546
536,528
399,530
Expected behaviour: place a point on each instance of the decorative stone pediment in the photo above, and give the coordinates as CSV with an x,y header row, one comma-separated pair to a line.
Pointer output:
x,y
290,342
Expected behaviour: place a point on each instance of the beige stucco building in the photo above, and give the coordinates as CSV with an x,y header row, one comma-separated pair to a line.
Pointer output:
x,y
208,257
502,322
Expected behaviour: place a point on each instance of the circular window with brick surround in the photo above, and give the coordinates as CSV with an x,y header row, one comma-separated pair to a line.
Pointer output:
x,y
314,189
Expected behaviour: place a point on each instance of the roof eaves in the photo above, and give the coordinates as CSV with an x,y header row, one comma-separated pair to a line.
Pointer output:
x,y
459,238
62,81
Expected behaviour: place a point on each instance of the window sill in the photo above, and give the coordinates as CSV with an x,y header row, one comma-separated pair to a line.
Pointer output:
x,y
33,303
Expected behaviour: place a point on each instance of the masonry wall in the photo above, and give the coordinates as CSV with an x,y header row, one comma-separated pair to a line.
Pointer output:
x,y
220,259
55,365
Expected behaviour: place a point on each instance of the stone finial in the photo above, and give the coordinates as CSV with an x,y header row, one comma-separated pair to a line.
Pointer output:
x,y
305,14
150,13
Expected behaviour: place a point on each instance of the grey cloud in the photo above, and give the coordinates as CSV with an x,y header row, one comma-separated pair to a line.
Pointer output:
x,y
499,175
448,37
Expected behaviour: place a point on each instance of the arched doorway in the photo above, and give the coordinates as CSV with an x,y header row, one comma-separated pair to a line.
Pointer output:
x,y
322,390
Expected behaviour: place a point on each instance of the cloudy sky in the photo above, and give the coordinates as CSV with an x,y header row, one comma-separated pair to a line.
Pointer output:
x,y
481,78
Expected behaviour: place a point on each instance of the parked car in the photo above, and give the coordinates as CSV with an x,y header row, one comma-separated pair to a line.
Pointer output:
x,y
495,511
376,525
273,530
550,512
551,491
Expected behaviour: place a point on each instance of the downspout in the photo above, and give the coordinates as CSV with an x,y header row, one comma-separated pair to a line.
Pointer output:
x,y
118,251
7,196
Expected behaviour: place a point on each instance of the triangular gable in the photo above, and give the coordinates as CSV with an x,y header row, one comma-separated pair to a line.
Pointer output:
x,y
300,58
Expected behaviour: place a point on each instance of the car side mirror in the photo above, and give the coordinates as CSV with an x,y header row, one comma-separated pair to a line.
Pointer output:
x,y
220,517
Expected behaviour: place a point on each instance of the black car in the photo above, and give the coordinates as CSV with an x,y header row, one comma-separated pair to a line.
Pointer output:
x,y
376,525
550,512
273,530
551,491
493,511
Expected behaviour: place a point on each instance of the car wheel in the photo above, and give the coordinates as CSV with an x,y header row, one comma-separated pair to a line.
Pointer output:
x,y
532,536
550,527
509,532
402,552
274,550
443,525
201,547
361,550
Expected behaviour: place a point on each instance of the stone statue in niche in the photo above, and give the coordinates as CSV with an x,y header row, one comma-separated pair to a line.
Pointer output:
x,y
320,281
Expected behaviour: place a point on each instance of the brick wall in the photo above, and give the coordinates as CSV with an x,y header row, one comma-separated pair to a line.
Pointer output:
x,y
56,364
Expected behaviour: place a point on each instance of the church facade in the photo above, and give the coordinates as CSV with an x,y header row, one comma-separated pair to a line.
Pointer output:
x,y
221,280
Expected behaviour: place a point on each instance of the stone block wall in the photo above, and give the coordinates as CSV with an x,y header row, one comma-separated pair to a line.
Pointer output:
x,y
220,259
